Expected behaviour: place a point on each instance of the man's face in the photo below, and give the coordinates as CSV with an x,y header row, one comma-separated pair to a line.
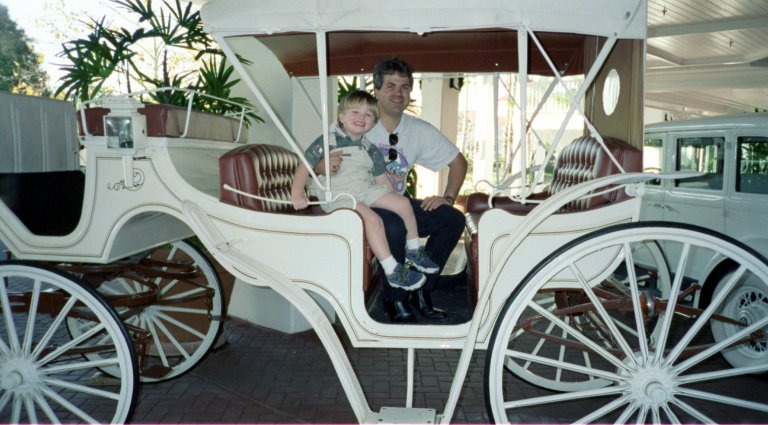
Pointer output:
x,y
394,95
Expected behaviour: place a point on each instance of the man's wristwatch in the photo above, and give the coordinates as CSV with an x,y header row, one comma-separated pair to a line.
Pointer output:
x,y
450,199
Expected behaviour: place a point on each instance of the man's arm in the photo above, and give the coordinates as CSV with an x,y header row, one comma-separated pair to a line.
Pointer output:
x,y
457,170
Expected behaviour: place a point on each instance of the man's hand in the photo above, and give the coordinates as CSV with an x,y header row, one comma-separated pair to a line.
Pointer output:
x,y
432,202
335,161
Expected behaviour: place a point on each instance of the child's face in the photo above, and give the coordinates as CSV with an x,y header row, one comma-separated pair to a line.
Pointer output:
x,y
357,120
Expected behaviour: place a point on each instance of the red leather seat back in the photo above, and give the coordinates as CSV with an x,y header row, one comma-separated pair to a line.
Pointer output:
x,y
262,170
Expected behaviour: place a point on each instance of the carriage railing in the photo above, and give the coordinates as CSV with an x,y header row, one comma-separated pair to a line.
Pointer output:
x,y
191,94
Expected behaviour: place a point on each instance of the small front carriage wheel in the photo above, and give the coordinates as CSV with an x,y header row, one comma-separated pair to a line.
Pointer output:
x,y
176,330
638,353
43,375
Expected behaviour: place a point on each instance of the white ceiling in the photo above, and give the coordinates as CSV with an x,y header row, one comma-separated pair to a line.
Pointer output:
x,y
707,57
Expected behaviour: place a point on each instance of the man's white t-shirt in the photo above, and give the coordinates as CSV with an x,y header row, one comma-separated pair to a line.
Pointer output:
x,y
419,142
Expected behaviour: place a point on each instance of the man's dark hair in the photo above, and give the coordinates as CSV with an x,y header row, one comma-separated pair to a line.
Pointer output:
x,y
390,67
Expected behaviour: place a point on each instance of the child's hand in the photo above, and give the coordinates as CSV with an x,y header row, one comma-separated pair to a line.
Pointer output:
x,y
299,200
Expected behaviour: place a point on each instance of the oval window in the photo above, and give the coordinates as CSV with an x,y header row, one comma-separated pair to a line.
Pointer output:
x,y
611,92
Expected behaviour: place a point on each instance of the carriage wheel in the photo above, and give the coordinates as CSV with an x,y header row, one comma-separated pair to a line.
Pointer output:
x,y
653,357
43,375
175,331
654,276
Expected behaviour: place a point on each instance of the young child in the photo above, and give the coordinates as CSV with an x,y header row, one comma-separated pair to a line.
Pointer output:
x,y
362,176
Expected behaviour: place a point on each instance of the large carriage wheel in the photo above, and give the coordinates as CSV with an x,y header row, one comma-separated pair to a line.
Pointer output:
x,y
653,277
178,328
654,357
43,375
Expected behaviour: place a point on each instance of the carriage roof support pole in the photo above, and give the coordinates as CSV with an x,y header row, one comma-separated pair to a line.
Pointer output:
x,y
262,100
496,124
322,66
522,60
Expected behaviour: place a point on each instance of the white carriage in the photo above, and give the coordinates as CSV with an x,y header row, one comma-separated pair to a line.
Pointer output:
x,y
576,328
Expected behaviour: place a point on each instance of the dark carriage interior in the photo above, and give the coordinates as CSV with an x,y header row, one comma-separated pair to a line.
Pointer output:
x,y
48,203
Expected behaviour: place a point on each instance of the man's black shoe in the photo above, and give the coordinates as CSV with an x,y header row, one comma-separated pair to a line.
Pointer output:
x,y
422,301
399,312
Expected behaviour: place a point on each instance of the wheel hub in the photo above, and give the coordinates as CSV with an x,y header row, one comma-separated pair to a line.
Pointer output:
x,y
18,375
753,306
652,386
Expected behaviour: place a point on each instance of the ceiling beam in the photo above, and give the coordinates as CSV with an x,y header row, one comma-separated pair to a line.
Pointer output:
x,y
740,76
717,26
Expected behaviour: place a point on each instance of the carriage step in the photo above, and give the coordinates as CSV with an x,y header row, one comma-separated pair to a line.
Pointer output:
x,y
403,415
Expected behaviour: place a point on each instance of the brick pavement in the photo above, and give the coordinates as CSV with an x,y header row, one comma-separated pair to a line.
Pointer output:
x,y
264,376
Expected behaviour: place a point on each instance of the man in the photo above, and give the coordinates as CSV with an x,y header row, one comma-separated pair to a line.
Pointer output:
x,y
405,141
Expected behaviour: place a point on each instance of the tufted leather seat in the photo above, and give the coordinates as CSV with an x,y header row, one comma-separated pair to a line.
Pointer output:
x,y
262,170
582,160
267,171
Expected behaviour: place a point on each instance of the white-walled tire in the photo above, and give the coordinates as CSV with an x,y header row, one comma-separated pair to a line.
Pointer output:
x,y
43,374
676,376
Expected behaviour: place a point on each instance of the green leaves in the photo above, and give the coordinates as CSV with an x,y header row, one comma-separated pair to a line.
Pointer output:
x,y
150,56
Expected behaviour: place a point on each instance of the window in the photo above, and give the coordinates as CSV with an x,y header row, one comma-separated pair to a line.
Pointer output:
x,y
702,154
752,157
653,157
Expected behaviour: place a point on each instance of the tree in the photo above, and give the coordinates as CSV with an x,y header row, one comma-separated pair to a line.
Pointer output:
x,y
20,70
167,48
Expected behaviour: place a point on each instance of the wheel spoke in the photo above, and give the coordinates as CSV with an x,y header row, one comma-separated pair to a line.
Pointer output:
x,y
69,406
725,373
598,305
627,413
578,335
16,409
720,345
181,325
31,317
722,399
54,326
194,291
82,365
82,389
557,398
164,289
687,408
4,399
13,339
673,419
46,408
173,340
185,310
704,317
158,343
608,408
73,343
30,407
669,314
561,365
642,340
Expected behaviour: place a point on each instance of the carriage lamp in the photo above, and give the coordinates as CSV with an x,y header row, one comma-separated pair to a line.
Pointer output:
x,y
119,132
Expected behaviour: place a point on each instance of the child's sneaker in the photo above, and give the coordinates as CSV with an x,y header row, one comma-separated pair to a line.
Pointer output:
x,y
420,261
406,279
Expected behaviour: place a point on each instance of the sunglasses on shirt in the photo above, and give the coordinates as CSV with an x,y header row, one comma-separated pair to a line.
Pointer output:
x,y
392,142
